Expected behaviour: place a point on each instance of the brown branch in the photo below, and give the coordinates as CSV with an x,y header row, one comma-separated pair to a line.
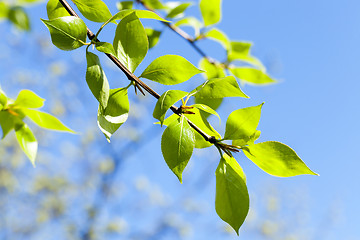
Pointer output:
x,y
134,78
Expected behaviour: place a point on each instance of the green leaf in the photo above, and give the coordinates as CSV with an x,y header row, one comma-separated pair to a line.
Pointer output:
x,y
200,121
19,18
46,120
153,36
214,103
96,79
116,112
29,99
4,10
170,70
27,141
154,4
67,33
26,2
166,100
130,42
219,36
211,70
7,122
94,10
3,99
252,76
139,13
177,144
210,11
192,22
240,51
207,109
169,119
124,5
232,197
242,123
175,12
55,9
248,141
276,159
220,88
105,47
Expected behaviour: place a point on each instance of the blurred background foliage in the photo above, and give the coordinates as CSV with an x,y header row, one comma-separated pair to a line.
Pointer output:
x,y
85,188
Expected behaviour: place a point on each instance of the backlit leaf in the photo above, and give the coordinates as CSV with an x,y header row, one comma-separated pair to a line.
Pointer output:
x,y
153,36
252,76
192,22
154,4
218,36
19,18
232,197
247,141
55,9
67,33
4,9
116,112
130,42
166,100
46,120
242,123
94,10
7,122
139,13
206,109
220,88
276,159
105,47
175,12
211,70
210,11
27,141
29,99
124,5
177,144
170,70
96,79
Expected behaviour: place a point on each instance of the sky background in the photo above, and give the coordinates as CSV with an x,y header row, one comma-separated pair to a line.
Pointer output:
x,y
312,48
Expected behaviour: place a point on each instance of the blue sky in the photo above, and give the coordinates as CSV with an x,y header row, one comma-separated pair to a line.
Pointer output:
x,y
312,47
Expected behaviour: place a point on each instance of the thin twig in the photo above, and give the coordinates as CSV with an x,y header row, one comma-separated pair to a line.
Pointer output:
x,y
134,78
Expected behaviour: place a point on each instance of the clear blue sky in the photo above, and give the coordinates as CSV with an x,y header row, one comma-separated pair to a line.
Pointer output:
x,y
312,47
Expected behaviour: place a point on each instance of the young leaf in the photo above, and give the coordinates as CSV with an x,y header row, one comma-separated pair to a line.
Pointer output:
x,y
67,33
232,197
154,4
170,70
206,109
248,141
94,10
242,123
116,112
219,36
96,79
45,120
3,98
252,76
175,12
139,13
214,103
153,37
7,122
211,70
4,10
200,120
105,47
124,5
220,88
27,141
192,22
276,159
169,119
55,10
240,51
19,18
130,42
210,11
29,99
166,100
177,144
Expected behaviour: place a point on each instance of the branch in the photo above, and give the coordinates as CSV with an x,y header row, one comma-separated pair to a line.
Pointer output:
x,y
182,34
134,78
